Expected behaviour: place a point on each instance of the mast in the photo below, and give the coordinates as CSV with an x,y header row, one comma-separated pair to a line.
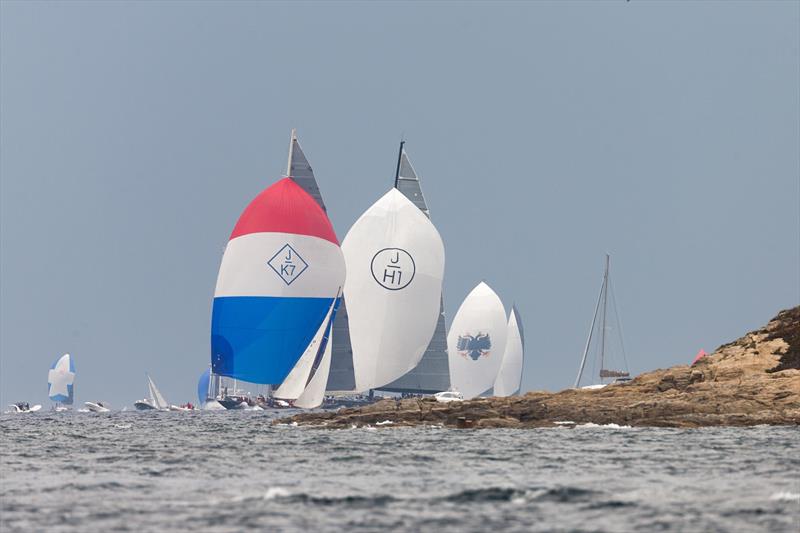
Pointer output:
x,y
605,312
397,170
589,339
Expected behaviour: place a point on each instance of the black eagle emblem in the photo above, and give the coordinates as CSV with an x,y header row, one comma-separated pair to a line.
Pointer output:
x,y
476,346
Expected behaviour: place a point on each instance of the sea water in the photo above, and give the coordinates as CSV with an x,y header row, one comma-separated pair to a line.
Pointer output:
x,y
234,471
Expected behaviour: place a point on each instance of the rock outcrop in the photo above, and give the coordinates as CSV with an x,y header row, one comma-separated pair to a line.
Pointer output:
x,y
753,380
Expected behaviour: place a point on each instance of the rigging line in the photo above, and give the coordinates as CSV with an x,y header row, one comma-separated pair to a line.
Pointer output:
x,y
619,324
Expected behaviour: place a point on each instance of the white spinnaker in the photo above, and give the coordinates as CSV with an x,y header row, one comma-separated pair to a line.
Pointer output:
x,y
509,377
155,395
477,341
297,380
395,265
315,391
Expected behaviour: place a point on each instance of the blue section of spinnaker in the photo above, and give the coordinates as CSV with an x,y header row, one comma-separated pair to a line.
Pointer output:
x,y
202,386
260,338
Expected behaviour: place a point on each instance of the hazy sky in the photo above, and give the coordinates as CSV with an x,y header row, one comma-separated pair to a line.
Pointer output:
x,y
133,134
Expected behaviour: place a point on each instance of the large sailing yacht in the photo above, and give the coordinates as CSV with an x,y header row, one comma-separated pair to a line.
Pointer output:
x,y
602,328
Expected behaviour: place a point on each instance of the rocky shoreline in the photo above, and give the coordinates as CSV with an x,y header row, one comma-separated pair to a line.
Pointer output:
x,y
753,380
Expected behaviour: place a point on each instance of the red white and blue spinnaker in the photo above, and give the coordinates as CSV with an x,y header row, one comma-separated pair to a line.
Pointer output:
x,y
281,272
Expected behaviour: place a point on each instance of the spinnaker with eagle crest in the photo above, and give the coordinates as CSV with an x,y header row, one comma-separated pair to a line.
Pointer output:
x,y
477,341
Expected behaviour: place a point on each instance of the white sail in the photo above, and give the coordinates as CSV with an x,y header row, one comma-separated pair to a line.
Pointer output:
x,y
395,265
61,380
315,391
509,377
477,341
298,378
155,395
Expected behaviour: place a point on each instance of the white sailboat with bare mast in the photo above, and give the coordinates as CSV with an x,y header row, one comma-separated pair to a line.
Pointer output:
x,y
601,328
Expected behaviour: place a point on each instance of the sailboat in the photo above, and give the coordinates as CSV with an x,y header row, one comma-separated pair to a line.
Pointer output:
x,y
477,342
601,328
395,266
509,377
156,400
432,373
61,382
281,272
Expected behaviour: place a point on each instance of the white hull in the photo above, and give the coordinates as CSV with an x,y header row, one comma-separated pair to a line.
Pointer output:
x,y
96,407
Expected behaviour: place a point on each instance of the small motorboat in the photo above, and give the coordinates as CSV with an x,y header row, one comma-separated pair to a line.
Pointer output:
x,y
234,402
97,407
24,407
185,407
144,405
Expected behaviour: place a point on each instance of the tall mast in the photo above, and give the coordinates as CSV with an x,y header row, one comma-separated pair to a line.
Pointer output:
x,y
291,149
397,170
589,339
605,311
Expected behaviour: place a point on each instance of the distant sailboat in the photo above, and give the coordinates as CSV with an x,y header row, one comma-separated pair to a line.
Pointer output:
x,y
61,382
509,377
602,349
395,266
280,274
156,400
477,342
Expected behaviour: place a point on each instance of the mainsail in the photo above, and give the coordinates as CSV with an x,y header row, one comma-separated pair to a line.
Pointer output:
x,y
395,265
477,341
61,380
341,377
509,377
155,395
432,374
603,327
281,271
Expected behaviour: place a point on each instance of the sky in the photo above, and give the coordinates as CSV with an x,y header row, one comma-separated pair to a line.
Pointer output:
x,y
132,135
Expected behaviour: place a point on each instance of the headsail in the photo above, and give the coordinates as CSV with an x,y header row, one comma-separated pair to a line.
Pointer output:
x,y
279,275
155,395
477,341
509,377
432,374
61,380
395,264
314,394
299,377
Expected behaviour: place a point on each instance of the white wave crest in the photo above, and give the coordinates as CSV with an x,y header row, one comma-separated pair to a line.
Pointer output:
x,y
785,496
605,426
276,492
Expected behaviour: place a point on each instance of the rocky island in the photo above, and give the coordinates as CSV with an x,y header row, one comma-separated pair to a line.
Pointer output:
x,y
753,380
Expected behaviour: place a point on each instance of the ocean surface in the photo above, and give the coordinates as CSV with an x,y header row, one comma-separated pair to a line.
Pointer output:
x,y
234,471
